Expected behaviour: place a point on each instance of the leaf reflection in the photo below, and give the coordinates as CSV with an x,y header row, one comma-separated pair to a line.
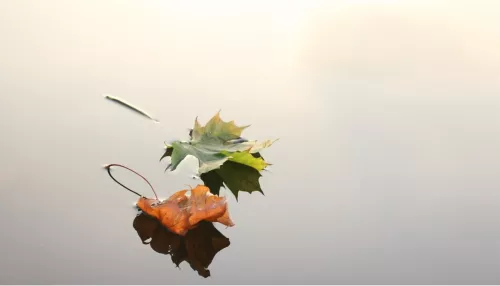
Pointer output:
x,y
198,247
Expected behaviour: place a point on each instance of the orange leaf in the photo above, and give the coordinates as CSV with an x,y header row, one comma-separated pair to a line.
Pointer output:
x,y
180,212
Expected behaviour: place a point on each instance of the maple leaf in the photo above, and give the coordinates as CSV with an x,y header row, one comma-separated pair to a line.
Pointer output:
x,y
214,144
246,158
180,212
236,177
217,128
198,247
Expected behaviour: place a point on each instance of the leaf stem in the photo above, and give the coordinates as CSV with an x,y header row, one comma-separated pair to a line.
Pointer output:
x,y
108,167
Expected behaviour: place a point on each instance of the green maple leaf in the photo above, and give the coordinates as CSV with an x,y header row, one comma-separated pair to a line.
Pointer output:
x,y
246,158
217,128
214,144
234,176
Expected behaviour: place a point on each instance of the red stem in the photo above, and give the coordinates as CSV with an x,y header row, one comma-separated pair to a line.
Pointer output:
x,y
118,165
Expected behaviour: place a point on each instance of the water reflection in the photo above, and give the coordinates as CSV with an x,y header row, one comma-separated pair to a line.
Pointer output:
x,y
198,247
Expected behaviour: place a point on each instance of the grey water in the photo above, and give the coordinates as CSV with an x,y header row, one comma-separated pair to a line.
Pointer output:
x,y
386,171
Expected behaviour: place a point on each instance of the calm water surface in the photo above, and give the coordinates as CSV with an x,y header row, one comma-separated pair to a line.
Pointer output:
x,y
386,170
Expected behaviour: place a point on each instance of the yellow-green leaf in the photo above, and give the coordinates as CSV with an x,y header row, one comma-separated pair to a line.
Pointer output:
x,y
248,159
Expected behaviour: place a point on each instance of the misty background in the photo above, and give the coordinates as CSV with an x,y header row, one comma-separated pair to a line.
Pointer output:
x,y
386,170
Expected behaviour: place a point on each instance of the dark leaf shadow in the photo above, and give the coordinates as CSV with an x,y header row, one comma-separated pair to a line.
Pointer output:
x,y
198,248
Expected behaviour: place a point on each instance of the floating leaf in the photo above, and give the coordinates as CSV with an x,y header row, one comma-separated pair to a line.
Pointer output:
x,y
208,159
217,128
236,177
257,147
180,212
247,159
214,144
198,247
